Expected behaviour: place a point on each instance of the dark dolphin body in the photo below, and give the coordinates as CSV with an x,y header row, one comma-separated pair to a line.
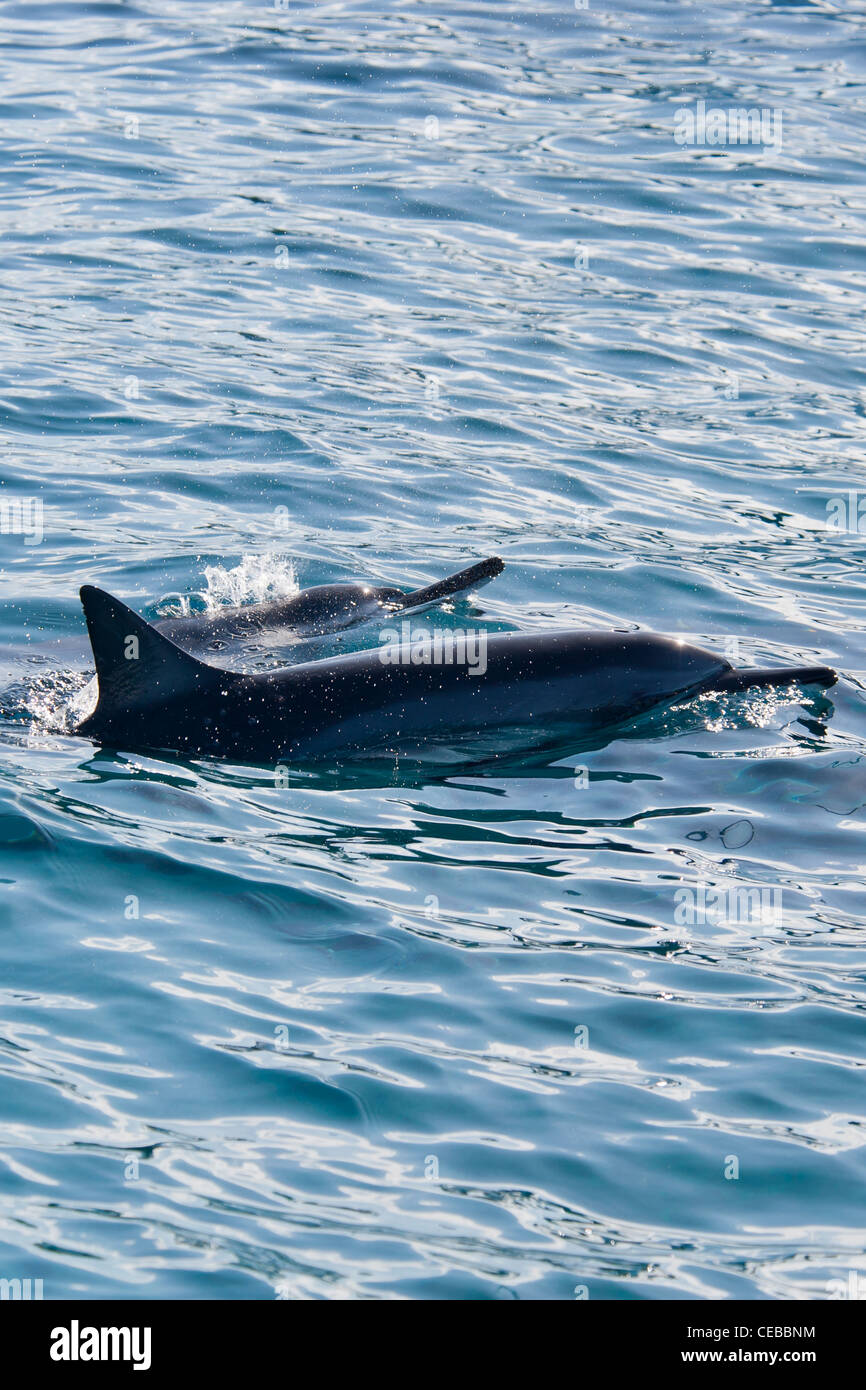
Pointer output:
x,y
324,608
153,696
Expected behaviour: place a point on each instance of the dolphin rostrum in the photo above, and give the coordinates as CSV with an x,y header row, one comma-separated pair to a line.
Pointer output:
x,y
324,608
155,697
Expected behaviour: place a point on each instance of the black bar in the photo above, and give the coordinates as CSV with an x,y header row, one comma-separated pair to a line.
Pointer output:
x,y
646,1337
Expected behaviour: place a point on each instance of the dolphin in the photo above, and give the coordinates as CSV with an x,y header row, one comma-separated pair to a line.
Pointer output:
x,y
322,609
153,696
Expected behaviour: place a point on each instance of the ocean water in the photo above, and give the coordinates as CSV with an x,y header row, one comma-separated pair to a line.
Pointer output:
x,y
354,290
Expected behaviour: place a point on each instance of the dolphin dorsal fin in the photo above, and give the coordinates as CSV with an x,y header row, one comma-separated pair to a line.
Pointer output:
x,y
135,664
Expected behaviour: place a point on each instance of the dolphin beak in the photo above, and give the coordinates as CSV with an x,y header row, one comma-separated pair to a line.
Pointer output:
x,y
464,580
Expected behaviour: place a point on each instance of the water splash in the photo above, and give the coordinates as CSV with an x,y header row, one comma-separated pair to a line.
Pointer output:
x,y
256,579
55,703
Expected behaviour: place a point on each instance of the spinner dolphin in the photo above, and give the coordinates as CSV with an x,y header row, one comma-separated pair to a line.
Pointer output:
x,y
323,609
153,696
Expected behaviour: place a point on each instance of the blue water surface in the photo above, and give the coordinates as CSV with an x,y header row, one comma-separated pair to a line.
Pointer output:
x,y
339,290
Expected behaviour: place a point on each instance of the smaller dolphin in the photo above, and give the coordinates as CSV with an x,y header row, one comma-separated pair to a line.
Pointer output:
x,y
322,609
155,697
